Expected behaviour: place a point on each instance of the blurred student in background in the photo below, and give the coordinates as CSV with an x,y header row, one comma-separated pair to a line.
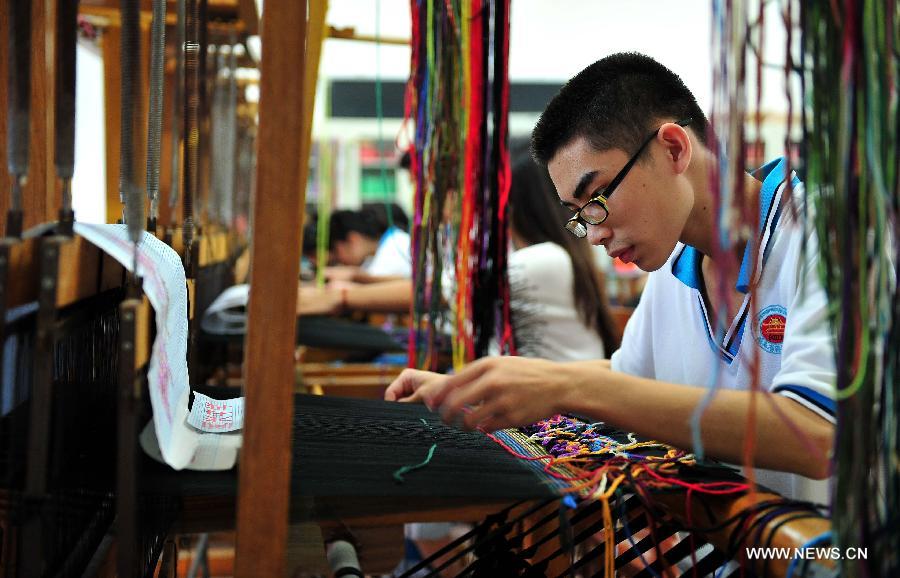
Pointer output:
x,y
370,246
558,302
558,297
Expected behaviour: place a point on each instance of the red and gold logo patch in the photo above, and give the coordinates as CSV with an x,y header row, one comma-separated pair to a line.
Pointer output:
x,y
772,328
770,324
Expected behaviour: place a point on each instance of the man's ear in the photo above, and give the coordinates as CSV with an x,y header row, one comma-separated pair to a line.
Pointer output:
x,y
677,143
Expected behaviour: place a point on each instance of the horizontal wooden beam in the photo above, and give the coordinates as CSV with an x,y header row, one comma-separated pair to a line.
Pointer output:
x,y
214,246
86,271
106,17
791,534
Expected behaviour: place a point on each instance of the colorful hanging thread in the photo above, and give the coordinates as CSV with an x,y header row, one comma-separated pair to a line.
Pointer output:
x,y
324,204
738,55
457,98
851,129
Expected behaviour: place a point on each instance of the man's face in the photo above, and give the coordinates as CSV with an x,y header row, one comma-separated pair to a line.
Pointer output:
x,y
350,251
647,211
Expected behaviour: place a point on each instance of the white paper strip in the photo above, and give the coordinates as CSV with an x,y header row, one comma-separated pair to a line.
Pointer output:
x,y
217,415
160,267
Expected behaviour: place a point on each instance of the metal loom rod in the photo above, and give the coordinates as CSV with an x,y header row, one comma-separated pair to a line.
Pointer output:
x,y
468,535
191,128
129,399
36,473
64,117
18,95
177,106
130,59
129,381
499,532
154,121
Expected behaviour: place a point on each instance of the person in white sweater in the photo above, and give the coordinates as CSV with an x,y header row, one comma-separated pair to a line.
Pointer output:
x,y
558,303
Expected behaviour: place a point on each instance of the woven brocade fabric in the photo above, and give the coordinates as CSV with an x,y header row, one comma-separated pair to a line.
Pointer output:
x,y
592,461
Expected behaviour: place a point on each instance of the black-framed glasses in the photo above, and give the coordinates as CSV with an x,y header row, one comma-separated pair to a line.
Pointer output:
x,y
595,211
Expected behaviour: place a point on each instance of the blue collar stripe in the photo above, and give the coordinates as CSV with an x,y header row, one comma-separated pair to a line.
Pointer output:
x,y
387,235
687,264
725,354
772,175
735,344
686,267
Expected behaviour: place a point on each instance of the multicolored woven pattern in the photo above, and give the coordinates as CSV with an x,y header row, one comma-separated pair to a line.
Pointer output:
x,y
593,463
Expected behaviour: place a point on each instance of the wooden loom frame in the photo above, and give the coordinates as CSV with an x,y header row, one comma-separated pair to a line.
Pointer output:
x,y
267,389
291,53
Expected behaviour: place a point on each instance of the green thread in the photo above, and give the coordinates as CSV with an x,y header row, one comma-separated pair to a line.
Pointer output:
x,y
398,475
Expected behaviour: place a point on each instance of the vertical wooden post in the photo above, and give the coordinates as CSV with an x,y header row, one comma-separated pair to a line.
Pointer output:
x,y
41,194
112,93
264,473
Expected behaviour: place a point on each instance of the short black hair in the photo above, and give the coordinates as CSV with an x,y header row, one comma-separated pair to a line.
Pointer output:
x,y
379,212
343,222
613,103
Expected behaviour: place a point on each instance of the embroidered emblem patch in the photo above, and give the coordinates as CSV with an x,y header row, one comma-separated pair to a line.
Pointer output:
x,y
770,328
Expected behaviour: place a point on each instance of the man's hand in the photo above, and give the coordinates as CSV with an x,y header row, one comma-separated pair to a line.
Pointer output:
x,y
409,385
503,391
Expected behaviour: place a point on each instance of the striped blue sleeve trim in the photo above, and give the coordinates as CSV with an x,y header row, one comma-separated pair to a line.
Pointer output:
x,y
821,404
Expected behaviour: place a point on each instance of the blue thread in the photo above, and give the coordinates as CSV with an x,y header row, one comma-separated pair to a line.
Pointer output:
x,y
826,537
623,516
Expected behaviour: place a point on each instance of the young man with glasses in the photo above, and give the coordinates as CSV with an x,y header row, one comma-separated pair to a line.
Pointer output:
x,y
628,150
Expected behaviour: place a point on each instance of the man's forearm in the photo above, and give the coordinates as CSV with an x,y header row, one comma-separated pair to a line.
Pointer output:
x,y
365,278
663,411
384,297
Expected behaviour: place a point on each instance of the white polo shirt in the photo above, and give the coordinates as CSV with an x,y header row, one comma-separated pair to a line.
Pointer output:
x,y
391,258
669,337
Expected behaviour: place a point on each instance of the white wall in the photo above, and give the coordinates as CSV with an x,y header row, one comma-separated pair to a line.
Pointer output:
x,y
551,40
89,182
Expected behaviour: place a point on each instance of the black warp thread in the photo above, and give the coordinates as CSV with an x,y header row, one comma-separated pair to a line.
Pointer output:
x,y
350,448
78,507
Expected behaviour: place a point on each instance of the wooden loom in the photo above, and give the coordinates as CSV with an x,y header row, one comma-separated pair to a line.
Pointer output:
x,y
269,370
